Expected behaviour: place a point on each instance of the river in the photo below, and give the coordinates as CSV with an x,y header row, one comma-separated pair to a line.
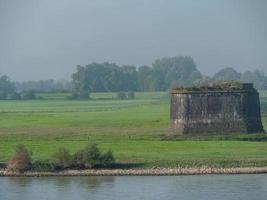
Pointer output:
x,y
230,187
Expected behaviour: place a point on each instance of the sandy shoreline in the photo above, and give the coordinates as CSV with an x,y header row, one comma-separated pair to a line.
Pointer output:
x,y
141,172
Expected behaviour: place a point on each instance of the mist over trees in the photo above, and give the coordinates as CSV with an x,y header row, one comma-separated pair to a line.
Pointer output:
x,y
27,90
109,77
256,77
227,74
103,77
7,87
44,86
163,74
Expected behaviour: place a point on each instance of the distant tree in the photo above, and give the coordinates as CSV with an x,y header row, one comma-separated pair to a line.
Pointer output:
x,y
81,88
15,96
44,86
129,78
256,77
7,87
103,77
29,95
175,71
227,74
146,80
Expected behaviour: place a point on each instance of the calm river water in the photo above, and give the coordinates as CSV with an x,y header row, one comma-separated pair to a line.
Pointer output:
x,y
245,187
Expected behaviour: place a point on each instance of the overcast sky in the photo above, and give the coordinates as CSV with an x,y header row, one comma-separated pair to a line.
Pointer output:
x,y
42,39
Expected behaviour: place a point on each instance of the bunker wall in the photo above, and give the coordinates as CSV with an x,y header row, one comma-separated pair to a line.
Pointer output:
x,y
215,112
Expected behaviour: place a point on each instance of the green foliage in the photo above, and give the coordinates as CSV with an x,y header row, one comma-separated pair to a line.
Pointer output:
x,y
91,157
7,87
62,158
21,160
29,95
78,160
44,86
175,71
43,166
15,96
107,159
146,80
257,77
164,73
227,74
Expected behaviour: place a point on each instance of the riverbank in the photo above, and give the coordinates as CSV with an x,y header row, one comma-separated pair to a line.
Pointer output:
x,y
141,172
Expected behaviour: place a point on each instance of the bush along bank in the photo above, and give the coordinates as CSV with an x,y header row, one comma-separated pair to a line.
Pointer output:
x,y
89,157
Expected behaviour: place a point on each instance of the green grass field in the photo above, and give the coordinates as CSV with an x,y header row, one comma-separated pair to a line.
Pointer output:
x,y
133,129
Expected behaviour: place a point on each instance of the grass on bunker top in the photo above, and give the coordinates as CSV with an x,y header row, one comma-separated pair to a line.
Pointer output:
x,y
132,129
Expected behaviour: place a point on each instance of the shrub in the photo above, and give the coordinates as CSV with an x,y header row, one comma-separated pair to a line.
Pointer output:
x,y
77,159
20,161
107,159
62,158
91,155
43,165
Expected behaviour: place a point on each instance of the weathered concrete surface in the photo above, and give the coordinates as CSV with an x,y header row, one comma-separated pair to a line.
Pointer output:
x,y
231,110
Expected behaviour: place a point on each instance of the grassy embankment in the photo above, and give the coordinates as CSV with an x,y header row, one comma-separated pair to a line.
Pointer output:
x,y
133,129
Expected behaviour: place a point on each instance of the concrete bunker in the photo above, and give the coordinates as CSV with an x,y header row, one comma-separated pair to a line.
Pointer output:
x,y
217,108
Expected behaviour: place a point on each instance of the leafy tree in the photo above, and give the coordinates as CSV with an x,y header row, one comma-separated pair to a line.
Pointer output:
x,y
62,158
88,157
256,77
80,86
44,86
129,78
146,80
107,159
91,157
227,74
15,96
175,71
7,87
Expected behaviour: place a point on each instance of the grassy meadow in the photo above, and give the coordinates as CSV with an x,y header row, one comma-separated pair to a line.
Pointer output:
x,y
133,129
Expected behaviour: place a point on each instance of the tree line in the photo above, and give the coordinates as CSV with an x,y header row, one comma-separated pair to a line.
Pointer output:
x,y
256,77
109,77
162,75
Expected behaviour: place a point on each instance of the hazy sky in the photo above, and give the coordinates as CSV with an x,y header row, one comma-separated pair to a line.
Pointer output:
x,y
41,39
